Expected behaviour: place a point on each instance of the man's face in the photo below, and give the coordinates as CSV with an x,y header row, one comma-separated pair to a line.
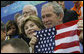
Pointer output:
x,y
27,12
8,49
61,3
49,18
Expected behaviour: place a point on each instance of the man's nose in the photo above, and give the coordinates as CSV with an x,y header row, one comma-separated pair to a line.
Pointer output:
x,y
45,19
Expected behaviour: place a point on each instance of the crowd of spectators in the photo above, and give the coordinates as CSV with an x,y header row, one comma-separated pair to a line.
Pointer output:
x,y
18,35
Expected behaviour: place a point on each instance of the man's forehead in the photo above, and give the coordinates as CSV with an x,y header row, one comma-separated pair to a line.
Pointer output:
x,y
27,9
48,8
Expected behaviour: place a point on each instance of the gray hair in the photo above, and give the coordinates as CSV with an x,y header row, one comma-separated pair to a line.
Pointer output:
x,y
57,8
32,8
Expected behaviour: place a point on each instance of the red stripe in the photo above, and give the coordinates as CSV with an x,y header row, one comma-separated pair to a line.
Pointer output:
x,y
78,32
76,52
66,34
68,24
67,45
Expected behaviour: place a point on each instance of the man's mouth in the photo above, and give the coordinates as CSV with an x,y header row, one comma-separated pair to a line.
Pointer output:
x,y
47,24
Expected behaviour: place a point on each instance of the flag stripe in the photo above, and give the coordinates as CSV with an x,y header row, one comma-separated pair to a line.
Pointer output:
x,y
71,23
62,39
67,40
68,50
66,34
78,32
67,45
74,27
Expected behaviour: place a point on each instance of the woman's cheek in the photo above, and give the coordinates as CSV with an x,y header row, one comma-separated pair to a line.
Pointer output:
x,y
26,32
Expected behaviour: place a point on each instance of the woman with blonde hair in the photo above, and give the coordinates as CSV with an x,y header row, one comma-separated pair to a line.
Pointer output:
x,y
29,28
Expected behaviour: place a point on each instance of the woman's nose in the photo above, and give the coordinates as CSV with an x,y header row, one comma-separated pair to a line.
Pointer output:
x,y
30,28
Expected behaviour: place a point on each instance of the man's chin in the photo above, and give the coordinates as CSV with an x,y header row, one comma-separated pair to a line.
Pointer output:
x,y
49,26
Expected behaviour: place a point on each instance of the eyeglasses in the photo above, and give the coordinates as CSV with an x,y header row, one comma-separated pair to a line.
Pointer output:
x,y
30,12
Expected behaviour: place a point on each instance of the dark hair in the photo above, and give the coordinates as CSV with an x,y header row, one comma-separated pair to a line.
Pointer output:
x,y
19,45
34,19
9,24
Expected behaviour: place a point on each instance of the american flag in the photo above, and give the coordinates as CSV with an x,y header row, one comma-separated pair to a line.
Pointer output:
x,y
59,39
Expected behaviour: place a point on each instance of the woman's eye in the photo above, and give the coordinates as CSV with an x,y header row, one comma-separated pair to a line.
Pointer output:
x,y
31,25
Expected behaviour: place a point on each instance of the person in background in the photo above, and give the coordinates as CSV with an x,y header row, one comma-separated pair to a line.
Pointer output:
x,y
16,16
14,45
80,27
29,10
69,15
78,7
3,32
29,28
12,29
